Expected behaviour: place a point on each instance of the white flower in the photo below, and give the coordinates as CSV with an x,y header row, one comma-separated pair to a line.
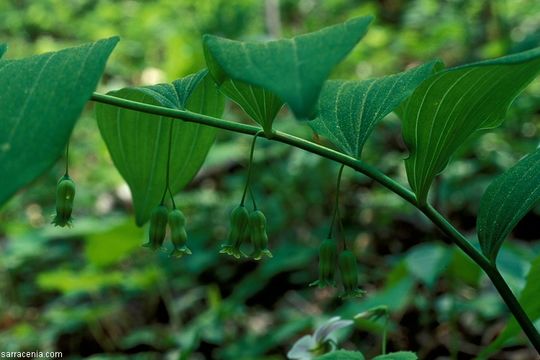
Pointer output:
x,y
310,346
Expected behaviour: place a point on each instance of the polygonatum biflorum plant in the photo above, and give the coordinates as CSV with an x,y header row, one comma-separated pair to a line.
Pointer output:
x,y
158,137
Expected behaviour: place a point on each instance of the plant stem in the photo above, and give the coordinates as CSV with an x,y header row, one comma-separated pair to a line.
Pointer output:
x,y
67,159
248,177
336,203
252,198
278,136
167,186
439,220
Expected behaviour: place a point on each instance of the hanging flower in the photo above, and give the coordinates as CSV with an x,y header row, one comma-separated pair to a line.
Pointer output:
x,y
238,233
158,227
65,194
349,275
177,224
327,264
259,238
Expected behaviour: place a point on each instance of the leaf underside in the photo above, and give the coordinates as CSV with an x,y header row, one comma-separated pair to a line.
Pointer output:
x,y
447,108
260,104
138,142
293,69
506,200
349,110
46,95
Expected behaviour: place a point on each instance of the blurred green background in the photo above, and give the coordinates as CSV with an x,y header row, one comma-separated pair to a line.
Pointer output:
x,y
93,292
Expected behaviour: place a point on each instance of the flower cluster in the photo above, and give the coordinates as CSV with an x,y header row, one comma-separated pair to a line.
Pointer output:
x,y
159,219
346,263
247,228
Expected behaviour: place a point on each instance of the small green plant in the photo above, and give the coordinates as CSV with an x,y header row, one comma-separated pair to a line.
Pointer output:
x,y
158,137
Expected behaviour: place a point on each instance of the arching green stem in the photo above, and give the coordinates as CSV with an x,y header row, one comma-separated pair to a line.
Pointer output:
x,y
439,220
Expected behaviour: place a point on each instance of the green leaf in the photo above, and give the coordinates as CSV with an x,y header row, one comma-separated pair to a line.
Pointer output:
x,y
260,104
46,95
427,261
3,48
507,199
529,300
293,69
138,142
446,109
113,245
349,110
400,355
342,355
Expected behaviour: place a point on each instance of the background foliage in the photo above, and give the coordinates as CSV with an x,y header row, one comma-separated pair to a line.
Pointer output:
x,y
92,291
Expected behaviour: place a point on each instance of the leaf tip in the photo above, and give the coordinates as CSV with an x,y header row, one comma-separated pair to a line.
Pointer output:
x,y
367,19
112,41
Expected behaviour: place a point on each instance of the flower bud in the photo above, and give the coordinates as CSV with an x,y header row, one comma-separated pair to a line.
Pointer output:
x,y
327,264
259,238
349,275
65,194
158,227
177,224
237,233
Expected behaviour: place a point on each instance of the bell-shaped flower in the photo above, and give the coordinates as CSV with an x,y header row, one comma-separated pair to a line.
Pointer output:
x,y
327,264
65,194
349,275
158,227
259,238
238,233
177,224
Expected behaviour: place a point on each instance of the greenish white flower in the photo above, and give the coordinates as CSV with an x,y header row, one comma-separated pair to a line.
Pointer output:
x,y
311,346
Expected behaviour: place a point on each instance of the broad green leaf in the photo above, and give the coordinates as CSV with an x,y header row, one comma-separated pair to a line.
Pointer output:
x,y
138,142
400,355
3,48
113,245
342,355
45,95
462,268
427,261
529,300
293,69
446,109
506,200
260,104
349,110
